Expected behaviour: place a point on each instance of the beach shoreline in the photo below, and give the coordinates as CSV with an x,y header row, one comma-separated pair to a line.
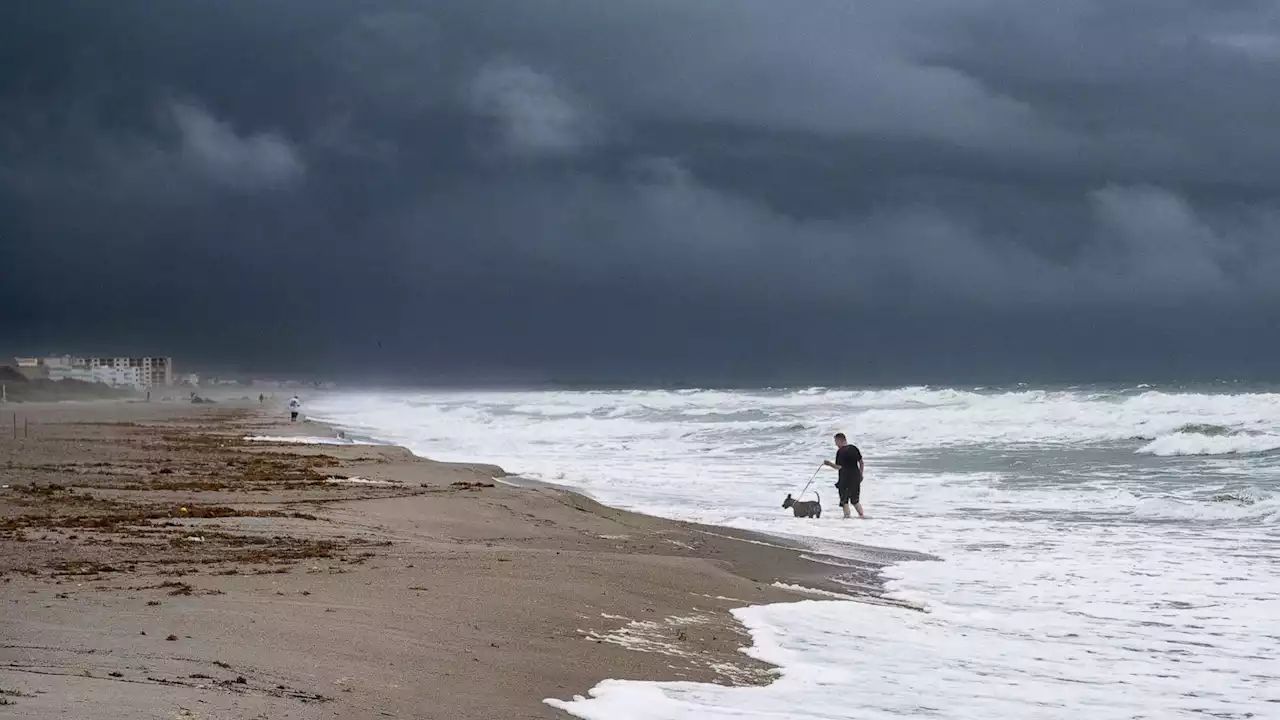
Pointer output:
x,y
343,580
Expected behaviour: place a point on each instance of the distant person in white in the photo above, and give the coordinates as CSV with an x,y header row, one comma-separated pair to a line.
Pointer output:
x,y
294,406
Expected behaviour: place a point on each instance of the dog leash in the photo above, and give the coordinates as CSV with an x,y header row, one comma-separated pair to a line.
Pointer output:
x,y
806,485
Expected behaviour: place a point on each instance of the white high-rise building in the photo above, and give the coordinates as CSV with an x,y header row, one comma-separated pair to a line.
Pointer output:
x,y
113,376
141,372
156,371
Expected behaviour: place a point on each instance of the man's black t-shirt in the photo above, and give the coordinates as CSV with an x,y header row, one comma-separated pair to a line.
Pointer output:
x,y
847,458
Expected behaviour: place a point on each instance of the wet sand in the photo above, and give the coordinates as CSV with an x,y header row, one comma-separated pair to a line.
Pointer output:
x,y
154,564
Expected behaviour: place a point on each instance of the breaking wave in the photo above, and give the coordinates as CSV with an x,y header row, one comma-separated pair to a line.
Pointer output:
x,y
1211,440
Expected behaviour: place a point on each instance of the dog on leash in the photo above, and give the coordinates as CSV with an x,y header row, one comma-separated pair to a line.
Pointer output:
x,y
804,508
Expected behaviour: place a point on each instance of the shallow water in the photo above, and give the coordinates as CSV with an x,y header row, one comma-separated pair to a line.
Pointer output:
x,y
1104,550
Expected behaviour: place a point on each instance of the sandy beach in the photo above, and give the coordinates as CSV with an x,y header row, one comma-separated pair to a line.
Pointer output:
x,y
155,564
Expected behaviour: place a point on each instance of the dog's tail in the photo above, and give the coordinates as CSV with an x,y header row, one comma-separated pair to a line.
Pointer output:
x,y
815,494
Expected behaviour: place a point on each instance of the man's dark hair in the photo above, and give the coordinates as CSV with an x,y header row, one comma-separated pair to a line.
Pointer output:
x,y
840,436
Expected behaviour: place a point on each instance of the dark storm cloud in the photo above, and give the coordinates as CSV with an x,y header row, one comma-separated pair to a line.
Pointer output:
x,y
658,189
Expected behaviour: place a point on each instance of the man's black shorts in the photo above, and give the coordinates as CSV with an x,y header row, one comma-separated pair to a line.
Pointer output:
x,y
850,492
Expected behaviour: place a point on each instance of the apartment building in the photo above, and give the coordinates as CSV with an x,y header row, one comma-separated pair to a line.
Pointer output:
x,y
113,376
142,372
155,371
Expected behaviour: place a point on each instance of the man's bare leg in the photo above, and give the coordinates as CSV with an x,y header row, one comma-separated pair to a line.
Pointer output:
x,y
845,508
858,507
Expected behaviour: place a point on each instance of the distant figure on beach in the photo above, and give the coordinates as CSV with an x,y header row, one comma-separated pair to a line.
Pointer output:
x,y
261,398
849,464
294,405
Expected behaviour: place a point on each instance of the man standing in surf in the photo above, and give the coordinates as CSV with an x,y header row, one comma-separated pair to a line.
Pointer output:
x,y
848,463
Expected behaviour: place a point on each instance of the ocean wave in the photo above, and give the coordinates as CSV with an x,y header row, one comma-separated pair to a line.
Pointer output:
x,y
1259,508
883,422
1251,496
1207,429
1195,443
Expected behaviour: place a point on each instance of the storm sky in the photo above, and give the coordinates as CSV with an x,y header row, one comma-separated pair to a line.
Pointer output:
x,y
851,191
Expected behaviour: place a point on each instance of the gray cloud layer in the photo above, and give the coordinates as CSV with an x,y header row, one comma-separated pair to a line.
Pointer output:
x,y
828,191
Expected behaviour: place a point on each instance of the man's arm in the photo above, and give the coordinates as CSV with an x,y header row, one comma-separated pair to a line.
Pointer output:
x,y
828,463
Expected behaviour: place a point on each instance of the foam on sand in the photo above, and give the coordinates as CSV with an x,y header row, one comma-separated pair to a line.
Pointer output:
x,y
358,481
850,660
304,440
815,592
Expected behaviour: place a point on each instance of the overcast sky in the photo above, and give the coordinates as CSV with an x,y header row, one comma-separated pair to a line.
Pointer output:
x,y
821,191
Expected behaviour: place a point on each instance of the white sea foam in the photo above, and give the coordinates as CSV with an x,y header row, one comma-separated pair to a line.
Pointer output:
x,y
358,481
814,592
1084,571
304,440
1199,444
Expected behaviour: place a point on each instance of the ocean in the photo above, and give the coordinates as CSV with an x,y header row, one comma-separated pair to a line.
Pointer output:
x,y
1102,552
